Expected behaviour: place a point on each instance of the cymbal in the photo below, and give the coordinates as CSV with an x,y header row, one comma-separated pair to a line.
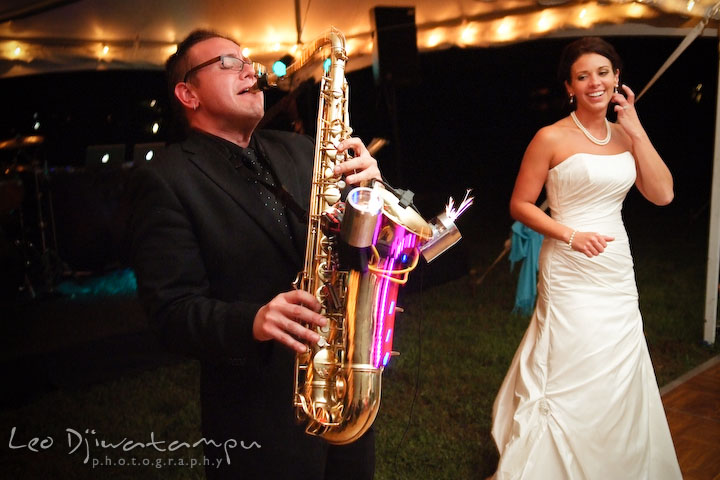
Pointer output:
x,y
20,168
21,142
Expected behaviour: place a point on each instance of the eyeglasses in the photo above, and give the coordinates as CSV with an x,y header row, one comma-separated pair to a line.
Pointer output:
x,y
226,62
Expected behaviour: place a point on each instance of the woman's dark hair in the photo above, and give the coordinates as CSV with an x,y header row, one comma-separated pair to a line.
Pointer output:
x,y
580,47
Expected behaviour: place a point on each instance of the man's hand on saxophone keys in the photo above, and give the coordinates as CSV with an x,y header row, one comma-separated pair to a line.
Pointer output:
x,y
361,167
283,317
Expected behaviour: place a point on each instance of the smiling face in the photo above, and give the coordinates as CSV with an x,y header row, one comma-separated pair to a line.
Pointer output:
x,y
224,105
592,80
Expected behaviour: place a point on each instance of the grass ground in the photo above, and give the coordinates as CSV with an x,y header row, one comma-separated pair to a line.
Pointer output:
x,y
456,341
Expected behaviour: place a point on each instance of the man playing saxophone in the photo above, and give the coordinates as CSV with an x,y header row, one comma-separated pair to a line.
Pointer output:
x,y
216,237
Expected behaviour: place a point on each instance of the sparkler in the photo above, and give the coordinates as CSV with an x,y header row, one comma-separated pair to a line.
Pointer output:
x,y
453,213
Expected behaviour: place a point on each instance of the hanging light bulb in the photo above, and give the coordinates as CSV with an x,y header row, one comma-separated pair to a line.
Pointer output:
x,y
468,34
545,22
436,37
586,17
635,10
505,29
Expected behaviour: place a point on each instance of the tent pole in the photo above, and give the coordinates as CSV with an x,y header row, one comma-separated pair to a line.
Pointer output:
x,y
298,22
713,264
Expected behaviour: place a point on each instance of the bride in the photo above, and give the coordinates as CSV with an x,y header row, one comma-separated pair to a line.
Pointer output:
x,y
580,400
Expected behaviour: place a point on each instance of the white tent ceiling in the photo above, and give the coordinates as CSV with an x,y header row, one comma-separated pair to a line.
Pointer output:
x,y
46,35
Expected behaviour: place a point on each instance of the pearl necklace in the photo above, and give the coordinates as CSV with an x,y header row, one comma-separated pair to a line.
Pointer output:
x,y
589,135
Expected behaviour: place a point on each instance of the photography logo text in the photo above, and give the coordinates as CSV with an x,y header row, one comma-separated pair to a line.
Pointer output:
x,y
90,446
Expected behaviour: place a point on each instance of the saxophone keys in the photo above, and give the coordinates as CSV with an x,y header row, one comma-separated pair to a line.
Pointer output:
x,y
340,387
321,295
324,363
330,151
323,272
325,244
331,195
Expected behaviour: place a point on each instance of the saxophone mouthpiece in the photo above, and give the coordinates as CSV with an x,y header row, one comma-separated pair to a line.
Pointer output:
x,y
257,87
265,81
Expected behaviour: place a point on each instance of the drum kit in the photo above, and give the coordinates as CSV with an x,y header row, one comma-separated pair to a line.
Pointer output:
x,y
28,240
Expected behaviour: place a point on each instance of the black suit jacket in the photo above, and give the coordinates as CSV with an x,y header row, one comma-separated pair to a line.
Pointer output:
x,y
207,256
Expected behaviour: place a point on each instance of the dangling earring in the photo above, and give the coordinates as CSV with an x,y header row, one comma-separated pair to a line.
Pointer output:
x,y
572,99
195,107
615,90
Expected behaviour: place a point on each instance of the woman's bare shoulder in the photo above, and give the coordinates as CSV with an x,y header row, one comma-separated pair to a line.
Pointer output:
x,y
553,142
552,134
554,130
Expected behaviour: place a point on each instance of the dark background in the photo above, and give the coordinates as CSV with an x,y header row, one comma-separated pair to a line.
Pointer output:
x,y
463,122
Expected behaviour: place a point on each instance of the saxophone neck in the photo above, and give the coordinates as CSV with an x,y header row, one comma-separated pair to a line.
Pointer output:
x,y
333,37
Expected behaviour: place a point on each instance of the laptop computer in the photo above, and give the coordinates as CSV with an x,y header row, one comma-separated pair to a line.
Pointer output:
x,y
105,156
145,152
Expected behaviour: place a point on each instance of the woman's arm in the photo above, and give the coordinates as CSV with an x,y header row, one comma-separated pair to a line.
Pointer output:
x,y
528,185
654,179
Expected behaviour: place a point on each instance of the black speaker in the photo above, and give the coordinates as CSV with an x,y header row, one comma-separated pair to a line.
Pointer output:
x,y
395,55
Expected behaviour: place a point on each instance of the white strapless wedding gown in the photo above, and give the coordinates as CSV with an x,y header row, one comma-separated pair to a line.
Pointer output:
x,y
580,400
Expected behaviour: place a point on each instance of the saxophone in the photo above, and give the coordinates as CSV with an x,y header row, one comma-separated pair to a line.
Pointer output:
x,y
358,254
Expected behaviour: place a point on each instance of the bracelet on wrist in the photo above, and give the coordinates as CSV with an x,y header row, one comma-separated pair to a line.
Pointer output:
x,y
572,237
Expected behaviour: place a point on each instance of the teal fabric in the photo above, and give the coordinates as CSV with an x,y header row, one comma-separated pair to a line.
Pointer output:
x,y
525,248
117,282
